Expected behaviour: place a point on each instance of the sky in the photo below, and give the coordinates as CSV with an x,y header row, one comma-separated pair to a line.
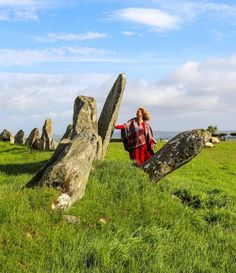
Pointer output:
x,y
179,58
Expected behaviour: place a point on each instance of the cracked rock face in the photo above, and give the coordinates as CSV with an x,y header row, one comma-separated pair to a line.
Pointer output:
x,y
177,152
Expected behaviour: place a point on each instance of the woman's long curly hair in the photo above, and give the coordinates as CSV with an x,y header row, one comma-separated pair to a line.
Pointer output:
x,y
146,115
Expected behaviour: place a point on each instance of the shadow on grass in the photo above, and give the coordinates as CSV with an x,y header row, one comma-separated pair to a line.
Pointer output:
x,y
15,169
13,150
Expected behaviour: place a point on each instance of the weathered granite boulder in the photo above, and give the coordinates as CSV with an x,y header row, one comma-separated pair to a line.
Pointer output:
x,y
19,137
177,152
33,137
109,112
47,141
70,166
6,136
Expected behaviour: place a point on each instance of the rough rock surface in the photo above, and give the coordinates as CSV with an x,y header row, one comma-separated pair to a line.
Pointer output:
x,y
177,152
85,115
70,166
47,141
34,136
6,136
19,137
109,112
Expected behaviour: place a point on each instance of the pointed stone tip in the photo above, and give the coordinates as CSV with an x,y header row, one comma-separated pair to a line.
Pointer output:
x,y
123,76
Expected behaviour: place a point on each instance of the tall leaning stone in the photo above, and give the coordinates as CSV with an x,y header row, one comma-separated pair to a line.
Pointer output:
x,y
69,167
109,112
19,137
175,153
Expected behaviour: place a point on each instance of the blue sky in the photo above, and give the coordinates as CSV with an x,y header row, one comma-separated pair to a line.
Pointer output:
x,y
179,58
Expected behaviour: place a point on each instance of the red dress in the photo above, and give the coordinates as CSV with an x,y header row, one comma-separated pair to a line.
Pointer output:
x,y
141,153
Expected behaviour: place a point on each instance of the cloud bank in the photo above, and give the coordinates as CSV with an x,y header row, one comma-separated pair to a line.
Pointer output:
x,y
195,95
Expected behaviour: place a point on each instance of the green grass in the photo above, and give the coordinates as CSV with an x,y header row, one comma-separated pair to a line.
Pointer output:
x,y
184,223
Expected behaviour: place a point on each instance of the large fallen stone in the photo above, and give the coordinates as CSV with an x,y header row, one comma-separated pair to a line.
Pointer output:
x,y
69,167
33,137
19,137
6,136
177,152
109,112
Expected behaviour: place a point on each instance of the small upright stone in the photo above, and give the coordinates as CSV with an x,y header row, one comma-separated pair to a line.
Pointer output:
x,y
6,136
85,115
19,137
109,112
46,138
33,137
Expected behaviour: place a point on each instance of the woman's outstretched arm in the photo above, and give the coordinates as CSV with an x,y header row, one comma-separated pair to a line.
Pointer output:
x,y
121,126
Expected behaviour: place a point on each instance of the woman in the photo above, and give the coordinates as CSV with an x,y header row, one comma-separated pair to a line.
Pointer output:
x,y
137,137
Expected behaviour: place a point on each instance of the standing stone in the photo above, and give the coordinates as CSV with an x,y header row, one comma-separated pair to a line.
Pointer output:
x,y
19,137
47,141
37,144
109,112
177,152
70,166
6,136
33,137
85,115
68,133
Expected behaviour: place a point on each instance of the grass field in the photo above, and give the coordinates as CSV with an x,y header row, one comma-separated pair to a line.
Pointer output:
x,y
126,223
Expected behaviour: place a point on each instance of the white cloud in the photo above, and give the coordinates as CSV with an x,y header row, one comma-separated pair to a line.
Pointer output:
x,y
155,18
72,37
197,94
222,8
9,57
28,99
26,10
18,15
193,10
29,3
172,15
131,33
16,2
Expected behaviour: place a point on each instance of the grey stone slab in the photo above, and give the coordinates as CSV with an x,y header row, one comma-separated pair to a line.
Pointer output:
x,y
175,153
70,165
